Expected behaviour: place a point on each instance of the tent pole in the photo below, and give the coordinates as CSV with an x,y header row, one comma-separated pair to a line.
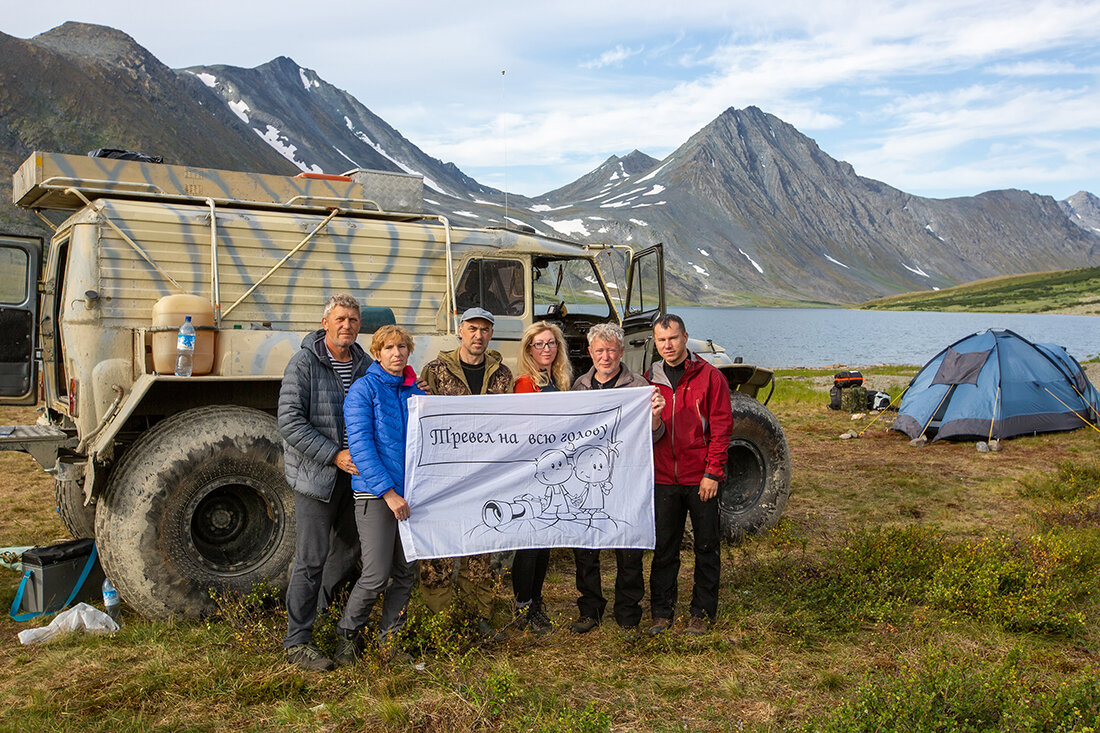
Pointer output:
x,y
861,432
1073,411
996,402
933,415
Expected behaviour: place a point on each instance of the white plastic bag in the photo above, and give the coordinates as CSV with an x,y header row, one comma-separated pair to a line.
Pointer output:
x,y
80,617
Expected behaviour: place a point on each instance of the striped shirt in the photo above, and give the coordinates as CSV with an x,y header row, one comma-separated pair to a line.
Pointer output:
x,y
344,370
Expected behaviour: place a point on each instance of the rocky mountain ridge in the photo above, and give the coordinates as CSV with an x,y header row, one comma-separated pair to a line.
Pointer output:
x,y
748,208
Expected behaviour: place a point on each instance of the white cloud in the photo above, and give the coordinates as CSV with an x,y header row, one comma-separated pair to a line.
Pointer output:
x,y
603,78
611,57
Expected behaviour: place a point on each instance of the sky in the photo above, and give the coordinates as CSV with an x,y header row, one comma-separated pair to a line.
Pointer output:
x,y
937,98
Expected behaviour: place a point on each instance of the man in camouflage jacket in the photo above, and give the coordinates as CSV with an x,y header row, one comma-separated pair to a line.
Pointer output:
x,y
471,369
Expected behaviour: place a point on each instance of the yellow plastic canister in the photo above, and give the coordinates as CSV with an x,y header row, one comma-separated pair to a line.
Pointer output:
x,y
169,313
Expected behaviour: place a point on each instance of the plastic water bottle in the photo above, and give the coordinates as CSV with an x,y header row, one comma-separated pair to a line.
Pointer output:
x,y
185,349
111,602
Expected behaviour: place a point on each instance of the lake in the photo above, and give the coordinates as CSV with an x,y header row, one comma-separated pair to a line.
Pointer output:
x,y
812,337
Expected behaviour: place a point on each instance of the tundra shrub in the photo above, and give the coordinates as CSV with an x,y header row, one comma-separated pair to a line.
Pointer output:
x,y
941,692
1022,585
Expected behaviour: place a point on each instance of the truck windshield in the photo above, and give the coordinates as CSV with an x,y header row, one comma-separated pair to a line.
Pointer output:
x,y
571,281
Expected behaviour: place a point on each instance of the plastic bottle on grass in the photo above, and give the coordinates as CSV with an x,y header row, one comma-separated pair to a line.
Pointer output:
x,y
111,601
185,349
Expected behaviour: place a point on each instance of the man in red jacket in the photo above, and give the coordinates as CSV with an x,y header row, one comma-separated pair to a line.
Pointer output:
x,y
688,463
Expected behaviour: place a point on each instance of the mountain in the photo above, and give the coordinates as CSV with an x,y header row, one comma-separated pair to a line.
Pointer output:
x,y
749,205
80,87
748,208
1083,209
322,129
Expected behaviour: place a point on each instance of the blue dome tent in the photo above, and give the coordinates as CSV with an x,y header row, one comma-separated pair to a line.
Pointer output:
x,y
996,384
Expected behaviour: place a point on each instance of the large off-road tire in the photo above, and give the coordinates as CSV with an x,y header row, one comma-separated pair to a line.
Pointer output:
x,y
758,472
198,502
77,518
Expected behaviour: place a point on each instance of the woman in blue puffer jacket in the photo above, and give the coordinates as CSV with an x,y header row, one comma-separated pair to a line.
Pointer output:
x,y
377,415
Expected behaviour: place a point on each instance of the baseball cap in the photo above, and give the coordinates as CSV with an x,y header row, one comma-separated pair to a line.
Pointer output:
x,y
475,312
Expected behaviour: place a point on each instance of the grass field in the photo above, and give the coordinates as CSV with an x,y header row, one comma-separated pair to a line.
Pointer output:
x,y
906,588
1064,291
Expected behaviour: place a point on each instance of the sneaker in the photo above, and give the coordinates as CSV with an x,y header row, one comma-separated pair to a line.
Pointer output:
x,y
697,626
347,649
309,657
538,621
660,626
584,624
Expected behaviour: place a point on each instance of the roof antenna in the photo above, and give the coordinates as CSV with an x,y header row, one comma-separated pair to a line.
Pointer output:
x,y
504,122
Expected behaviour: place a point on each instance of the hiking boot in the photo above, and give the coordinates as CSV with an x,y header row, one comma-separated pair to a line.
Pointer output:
x,y
486,629
584,624
538,622
697,626
309,657
347,648
660,626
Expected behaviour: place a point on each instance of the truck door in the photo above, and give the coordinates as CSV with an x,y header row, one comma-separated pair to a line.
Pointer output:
x,y
645,300
19,261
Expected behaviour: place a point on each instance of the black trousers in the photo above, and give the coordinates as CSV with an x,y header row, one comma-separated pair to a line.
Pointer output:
x,y
326,550
672,505
528,575
629,585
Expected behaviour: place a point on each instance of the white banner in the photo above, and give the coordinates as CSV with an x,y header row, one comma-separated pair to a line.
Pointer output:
x,y
505,472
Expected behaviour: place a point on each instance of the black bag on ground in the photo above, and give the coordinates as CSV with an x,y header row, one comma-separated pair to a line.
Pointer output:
x,y
850,378
834,397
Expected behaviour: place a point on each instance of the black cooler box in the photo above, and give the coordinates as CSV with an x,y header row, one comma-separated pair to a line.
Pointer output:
x,y
55,569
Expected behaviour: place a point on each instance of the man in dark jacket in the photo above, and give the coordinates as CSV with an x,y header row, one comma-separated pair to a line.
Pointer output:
x,y
319,469
605,346
688,463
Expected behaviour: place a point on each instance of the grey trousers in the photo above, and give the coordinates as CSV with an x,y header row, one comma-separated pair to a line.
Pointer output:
x,y
324,556
385,572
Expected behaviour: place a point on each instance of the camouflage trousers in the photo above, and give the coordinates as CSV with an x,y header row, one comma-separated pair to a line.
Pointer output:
x,y
476,583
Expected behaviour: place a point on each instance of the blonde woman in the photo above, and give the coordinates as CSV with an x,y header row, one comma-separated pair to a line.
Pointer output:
x,y
543,360
543,367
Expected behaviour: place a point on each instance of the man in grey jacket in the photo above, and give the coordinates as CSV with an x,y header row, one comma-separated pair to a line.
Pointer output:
x,y
319,469
605,346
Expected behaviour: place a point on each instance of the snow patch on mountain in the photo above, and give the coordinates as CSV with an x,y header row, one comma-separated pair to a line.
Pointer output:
x,y
208,79
639,222
540,208
378,148
281,143
916,271
704,253
702,271
657,188
930,230
837,262
306,81
654,172
346,156
241,109
568,226
752,261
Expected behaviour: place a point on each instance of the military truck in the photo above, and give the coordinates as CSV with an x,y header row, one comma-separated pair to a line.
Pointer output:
x,y
180,479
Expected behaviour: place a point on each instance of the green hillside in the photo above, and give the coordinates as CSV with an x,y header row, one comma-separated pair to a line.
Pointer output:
x,y
1062,291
